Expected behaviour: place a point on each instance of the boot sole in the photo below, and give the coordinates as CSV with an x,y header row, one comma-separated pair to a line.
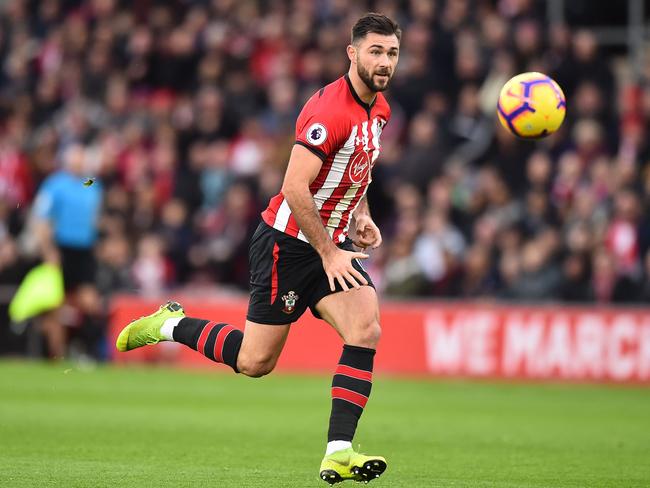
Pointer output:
x,y
370,470
330,476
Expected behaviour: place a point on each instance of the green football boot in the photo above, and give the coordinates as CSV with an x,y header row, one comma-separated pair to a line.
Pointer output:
x,y
146,330
347,464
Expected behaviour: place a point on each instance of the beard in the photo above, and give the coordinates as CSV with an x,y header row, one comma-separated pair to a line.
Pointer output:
x,y
367,78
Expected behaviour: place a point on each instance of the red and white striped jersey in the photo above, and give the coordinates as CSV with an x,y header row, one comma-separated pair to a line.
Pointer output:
x,y
343,131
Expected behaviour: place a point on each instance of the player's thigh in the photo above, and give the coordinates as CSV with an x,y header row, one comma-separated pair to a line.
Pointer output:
x,y
354,315
262,345
282,277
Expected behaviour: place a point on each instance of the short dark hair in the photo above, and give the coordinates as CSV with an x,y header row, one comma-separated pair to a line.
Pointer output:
x,y
375,23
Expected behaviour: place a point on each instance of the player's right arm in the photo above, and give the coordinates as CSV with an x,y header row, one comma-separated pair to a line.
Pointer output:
x,y
301,172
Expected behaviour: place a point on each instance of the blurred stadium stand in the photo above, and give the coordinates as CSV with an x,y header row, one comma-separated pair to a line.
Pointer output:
x,y
186,110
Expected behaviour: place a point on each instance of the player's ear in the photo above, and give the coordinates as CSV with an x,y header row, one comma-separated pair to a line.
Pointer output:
x,y
352,53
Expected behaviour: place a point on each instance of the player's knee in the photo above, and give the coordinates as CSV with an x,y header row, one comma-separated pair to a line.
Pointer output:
x,y
365,335
255,367
257,370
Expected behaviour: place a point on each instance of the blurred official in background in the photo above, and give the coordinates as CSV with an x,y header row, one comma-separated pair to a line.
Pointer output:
x,y
66,213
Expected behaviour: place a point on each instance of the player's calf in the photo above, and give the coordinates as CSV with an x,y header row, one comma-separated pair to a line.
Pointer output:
x,y
219,342
351,386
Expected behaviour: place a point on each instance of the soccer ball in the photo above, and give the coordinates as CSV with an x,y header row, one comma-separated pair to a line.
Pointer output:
x,y
531,106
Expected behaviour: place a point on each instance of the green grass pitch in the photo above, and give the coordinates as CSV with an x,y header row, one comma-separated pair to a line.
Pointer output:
x,y
155,427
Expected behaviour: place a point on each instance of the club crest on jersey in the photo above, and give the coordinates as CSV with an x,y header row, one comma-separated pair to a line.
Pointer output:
x,y
316,134
289,300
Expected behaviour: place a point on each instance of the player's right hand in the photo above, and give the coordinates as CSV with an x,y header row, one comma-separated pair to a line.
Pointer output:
x,y
338,267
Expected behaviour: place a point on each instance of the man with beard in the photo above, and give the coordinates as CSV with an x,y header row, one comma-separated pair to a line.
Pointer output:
x,y
301,255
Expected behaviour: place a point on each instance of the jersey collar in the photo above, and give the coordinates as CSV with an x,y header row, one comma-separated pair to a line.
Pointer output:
x,y
356,97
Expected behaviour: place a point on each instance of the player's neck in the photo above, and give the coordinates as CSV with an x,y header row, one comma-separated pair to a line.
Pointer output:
x,y
361,89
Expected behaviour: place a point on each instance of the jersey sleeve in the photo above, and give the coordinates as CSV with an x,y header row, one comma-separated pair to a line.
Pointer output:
x,y
321,127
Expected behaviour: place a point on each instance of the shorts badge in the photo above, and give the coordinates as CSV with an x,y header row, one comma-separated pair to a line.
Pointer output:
x,y
289,300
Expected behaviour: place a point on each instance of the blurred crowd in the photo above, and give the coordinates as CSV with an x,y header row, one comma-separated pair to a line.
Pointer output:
x,y
184,112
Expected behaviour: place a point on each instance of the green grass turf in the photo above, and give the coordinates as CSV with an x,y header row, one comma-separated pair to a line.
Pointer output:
x,y
139,427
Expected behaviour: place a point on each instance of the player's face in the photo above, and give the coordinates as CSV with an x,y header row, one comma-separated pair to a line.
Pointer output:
x,y
377,57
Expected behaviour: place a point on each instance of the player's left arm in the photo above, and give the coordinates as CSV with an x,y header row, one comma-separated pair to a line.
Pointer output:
x,y
366,233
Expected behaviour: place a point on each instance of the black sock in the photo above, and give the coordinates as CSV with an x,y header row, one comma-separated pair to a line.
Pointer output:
x,y
219,342
350,391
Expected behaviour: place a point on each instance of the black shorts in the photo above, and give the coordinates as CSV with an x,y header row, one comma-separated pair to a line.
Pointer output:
x,y
287,276
78,266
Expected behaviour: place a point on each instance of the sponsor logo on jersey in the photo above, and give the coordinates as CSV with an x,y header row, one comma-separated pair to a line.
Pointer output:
x,y
316,134
289,300
359,167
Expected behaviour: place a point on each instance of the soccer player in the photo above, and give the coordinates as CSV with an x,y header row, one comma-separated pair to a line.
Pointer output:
x,y
301,255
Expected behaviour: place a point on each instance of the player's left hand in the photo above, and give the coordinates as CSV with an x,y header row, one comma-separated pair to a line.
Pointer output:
x,y
367,233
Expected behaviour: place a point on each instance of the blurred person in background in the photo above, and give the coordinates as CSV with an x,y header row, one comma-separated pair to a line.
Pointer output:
x,y
177,235
608,285
539,278
585,64
423,156
576,279
66,213
114,266
439,250
539,169
404,274
152,272
622,237
509,270
223,232
477,279
470,129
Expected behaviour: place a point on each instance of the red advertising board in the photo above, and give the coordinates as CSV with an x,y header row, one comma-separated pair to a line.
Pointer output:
x,y
447,339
